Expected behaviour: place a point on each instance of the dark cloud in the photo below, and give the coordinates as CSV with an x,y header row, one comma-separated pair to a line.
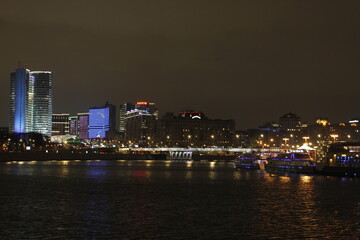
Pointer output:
x,y
247,60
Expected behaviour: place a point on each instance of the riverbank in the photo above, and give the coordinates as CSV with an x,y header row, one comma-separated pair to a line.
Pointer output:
x,y
43,156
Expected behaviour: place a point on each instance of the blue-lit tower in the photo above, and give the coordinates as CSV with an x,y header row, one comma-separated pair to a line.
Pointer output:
x,y
18,99
30,101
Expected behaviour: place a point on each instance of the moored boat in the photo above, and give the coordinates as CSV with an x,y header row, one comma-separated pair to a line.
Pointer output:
x,y
298,162
342,159
251,161
247,161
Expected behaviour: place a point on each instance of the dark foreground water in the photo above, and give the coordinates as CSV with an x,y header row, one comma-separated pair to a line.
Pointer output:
x,y
172,200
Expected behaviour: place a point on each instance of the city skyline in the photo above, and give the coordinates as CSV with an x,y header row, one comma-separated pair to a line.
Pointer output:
x,y
162,119
246,61
118,107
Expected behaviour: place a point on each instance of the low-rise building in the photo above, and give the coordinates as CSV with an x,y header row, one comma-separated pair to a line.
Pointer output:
x,y
193,129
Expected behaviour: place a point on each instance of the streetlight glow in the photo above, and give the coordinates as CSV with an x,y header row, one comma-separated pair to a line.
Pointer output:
x,y
334,136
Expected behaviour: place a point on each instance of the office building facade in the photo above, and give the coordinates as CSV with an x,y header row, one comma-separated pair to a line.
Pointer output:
x,y
124,108
102,120
140,123
193,129
30,101
60,124
73,125
83,125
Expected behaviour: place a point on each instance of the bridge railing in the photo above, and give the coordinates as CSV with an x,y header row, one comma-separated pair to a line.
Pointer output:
x,y
215,149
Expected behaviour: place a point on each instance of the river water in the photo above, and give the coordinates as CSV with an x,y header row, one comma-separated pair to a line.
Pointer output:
x,y
172,200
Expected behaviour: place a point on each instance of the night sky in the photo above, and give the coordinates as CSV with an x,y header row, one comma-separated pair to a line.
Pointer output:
x,y
251,61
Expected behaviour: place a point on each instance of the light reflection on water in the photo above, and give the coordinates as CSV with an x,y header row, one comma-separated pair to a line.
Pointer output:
x,y
212,175
188,175
306,179
167,164
189,164
237,175
167,174
285,179
167,199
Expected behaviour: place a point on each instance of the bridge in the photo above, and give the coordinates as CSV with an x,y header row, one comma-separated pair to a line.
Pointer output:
x,y
211,149
177,153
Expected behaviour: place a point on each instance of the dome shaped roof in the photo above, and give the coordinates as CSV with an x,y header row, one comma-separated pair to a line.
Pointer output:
x,y
290,115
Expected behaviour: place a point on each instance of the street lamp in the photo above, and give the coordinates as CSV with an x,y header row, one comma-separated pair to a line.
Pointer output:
x,y
334,136
306,138
286,140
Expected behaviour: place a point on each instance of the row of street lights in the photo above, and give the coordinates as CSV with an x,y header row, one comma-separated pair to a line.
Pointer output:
x,y
306,139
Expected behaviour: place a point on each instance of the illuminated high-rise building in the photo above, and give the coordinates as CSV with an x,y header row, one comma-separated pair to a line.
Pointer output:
x,y
83,125
124,108
140,122
60,124
30,101
73,125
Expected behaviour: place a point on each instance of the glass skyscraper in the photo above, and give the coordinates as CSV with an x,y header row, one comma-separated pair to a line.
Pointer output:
x,y
124,108
30,101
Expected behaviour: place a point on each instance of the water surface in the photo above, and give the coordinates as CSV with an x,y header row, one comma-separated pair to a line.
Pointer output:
x,y
172,200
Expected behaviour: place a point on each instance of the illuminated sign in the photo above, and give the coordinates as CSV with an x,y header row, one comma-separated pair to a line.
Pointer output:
x,y
189,112
142,103
354,121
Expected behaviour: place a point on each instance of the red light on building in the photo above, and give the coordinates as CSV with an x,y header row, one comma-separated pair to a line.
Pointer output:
x,y
189,112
